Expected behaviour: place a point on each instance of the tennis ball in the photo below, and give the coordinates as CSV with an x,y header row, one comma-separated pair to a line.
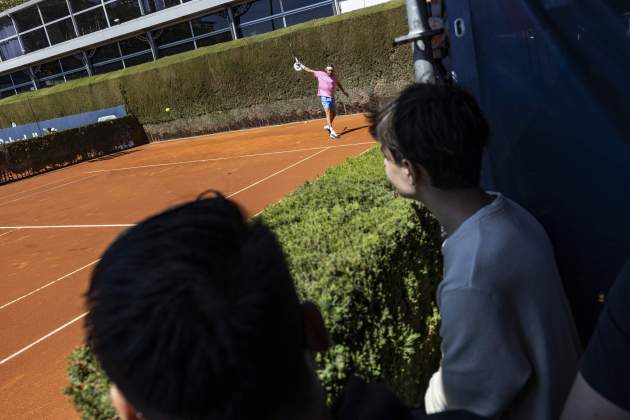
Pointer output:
x,y
167,109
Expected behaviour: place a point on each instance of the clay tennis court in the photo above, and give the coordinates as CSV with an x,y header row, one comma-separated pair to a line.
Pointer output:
x,y
54,227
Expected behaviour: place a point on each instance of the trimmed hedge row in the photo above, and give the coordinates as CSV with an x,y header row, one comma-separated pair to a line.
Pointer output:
x,y
25,158
245,82
7,4
371,262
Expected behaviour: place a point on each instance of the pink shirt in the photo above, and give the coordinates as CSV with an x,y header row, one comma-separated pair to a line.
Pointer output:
x,y
325,84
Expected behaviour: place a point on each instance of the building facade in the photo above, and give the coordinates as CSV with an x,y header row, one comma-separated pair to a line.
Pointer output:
x,y
47,42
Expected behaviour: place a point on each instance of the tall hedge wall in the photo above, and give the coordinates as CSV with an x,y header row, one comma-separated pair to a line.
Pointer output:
x,y
7,4
24,158
240,83
369,259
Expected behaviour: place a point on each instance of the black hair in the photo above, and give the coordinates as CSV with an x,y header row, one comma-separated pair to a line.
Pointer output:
x,y
440,127
193,315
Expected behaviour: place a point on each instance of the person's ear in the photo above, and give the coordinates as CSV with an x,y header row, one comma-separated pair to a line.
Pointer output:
x,y
123,408
317,338
416,174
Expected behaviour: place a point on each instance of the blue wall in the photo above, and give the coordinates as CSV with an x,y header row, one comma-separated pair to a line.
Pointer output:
x,y
21,132
553,77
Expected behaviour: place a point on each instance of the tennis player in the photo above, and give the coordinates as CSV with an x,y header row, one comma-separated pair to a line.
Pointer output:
x,y
327,82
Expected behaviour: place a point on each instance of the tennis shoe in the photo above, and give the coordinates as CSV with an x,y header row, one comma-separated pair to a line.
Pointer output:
x,y
333,135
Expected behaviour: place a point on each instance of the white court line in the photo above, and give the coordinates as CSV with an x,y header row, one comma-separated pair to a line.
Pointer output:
x,y
36,188
39,340
52,189
49,284
260,212
219,133
184,162
94,262
65,226
241,130
276,173
364,152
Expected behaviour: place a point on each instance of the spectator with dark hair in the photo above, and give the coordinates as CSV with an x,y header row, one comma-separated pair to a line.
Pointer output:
x,y
601,389
509,345
193,315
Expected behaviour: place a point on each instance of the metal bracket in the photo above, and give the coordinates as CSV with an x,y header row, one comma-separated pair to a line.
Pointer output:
x,y
417,36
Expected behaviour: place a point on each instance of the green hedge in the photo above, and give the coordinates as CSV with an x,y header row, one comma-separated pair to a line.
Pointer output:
x,y
24,158
245,82
369,259
7,4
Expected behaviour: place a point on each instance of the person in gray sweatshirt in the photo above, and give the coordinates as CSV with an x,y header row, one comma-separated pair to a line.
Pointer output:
x,y
509,345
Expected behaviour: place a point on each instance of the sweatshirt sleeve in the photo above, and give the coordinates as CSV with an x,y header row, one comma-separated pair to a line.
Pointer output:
x,y
484,365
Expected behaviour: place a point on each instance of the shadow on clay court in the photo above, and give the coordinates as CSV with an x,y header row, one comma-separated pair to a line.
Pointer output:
x,y
347,130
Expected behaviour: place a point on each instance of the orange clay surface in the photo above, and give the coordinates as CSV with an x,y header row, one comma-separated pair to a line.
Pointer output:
x,y
54,227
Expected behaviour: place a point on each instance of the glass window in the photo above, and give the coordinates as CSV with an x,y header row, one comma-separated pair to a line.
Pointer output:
x,y
60,31
51,82
134,45
122,10
53,9
259,28
71,63
10,49
148,6
7,93
6,27
20,77
106,52
27,19
214,39
164,52
173,33
78,5
5,82
47,69
91,21
34,40
106,68
305,16
296,4
25,88
151,6
76,75
210,23
256,10
139,59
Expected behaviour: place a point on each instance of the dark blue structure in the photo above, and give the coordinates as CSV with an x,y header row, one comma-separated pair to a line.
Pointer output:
x,y
553,77
41,128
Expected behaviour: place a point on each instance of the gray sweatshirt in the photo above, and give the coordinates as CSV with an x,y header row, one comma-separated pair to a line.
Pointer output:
x,y
509,345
